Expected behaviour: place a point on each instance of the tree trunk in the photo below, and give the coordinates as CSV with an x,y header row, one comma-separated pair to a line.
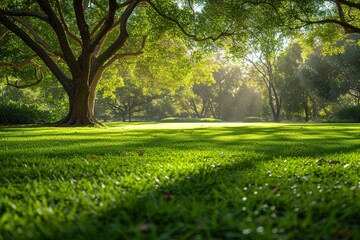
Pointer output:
x,y
81,106
306,107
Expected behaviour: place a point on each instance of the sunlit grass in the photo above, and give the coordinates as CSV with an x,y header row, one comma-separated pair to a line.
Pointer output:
x,y
181,181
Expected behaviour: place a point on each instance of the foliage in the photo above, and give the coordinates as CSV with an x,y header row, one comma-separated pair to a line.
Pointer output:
x,y
181,181
12,113
177,119
252,119
334,75
348,114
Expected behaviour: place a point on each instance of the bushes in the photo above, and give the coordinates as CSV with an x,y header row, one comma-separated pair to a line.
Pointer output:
x,y
176,119
12,113
348,114
252,119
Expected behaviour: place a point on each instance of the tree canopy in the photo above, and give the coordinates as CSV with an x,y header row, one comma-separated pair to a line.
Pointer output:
x,y
75,42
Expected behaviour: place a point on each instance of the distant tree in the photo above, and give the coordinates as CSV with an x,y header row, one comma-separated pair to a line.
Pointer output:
x,y
296,98
131,99
332,76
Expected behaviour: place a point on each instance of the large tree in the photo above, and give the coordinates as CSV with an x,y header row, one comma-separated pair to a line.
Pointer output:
x,y
78,40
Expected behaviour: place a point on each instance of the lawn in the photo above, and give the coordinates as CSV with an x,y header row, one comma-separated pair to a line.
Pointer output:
x,y
181,181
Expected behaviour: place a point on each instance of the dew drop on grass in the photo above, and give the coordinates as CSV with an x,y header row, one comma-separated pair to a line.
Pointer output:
x,y
260,229
246,231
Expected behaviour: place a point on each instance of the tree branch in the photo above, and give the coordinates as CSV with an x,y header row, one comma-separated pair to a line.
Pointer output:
x,y
37,38
60,33
98,25
2,34
345,25
66,28
39,79
64,80
24,13
123,55
119,42
107,24
348,3
20,65
182,29
81,22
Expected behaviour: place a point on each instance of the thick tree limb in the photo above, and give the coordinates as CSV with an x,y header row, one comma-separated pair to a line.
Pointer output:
x,y
66,27
182,29
119,42
347,26
99,24
106,26
348,3
64,80
130,54
61,35
37,38
20,65
24,13
81,22
39,79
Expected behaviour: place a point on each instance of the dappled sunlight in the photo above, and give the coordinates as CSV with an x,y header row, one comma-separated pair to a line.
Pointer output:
x,y
231,180
182,125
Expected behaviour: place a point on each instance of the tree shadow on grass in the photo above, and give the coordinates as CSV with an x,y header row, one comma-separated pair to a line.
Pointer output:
x,y
213,203
204,203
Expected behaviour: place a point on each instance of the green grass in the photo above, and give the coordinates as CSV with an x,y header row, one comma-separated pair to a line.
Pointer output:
x,y
181,181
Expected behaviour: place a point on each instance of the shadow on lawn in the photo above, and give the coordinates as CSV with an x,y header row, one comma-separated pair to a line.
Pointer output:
x,y
196,207
294,141
205,205
177,210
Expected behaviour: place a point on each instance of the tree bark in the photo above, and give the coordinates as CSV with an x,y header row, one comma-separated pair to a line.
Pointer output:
x,y
81,106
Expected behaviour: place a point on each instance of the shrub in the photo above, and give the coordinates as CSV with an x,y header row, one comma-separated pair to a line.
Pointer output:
x,y
252,119
176,119
348,114
12,113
